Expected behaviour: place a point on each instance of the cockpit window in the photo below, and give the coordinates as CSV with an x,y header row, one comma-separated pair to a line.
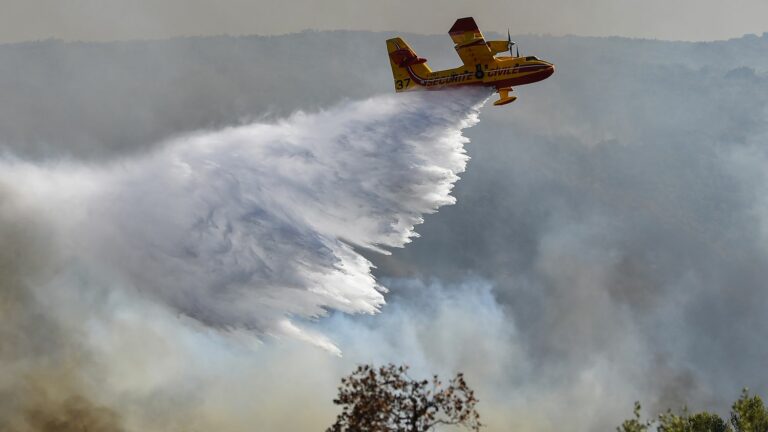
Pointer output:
x,y
531,58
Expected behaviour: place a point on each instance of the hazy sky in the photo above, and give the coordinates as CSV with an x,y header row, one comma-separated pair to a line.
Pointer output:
x,y
23,20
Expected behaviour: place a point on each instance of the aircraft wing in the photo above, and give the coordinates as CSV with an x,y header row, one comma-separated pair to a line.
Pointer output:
x,y
470,43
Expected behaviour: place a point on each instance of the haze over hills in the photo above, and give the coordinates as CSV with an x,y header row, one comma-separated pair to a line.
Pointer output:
x,y
160,88
607,245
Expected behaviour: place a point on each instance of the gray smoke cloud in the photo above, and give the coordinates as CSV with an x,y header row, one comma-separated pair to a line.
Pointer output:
x,y
607,243
619,215
42,357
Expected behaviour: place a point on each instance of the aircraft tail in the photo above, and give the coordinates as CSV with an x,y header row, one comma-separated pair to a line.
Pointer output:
x,y
408,70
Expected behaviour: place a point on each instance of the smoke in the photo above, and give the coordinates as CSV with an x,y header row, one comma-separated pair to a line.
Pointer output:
x,y
40,357
607,245
622,227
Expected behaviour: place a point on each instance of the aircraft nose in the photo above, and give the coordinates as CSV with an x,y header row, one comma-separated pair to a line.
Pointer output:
x,y
549,71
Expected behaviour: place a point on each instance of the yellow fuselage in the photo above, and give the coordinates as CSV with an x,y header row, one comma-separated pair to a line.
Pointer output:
x,y
501,72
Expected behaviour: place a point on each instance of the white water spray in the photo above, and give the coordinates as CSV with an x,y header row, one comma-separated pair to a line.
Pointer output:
x,y
249,226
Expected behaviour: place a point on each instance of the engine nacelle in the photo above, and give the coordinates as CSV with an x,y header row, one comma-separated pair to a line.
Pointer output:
x,y
498,46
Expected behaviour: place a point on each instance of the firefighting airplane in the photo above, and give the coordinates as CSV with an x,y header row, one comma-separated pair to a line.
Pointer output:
x,y
481,65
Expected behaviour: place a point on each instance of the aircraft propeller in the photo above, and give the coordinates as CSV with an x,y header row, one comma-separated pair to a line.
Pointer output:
x,y
510,43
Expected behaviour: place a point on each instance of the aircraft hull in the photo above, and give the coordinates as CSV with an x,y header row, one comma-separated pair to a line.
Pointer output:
x,y
454,80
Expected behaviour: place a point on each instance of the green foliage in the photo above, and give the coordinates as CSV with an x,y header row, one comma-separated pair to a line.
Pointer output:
x,y
388,400
634,425
708,422
699,422
748,414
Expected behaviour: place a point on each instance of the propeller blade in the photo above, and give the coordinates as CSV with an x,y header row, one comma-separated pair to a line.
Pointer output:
x,y
509,42
517,48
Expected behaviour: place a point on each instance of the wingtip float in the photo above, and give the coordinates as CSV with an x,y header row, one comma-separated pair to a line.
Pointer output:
x,y
482,66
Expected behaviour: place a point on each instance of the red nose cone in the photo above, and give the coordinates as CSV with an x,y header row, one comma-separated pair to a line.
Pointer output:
x,y
550,71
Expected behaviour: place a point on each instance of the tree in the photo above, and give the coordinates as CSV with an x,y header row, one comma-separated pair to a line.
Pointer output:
x,y
748,414
699,422
388,400
634,424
